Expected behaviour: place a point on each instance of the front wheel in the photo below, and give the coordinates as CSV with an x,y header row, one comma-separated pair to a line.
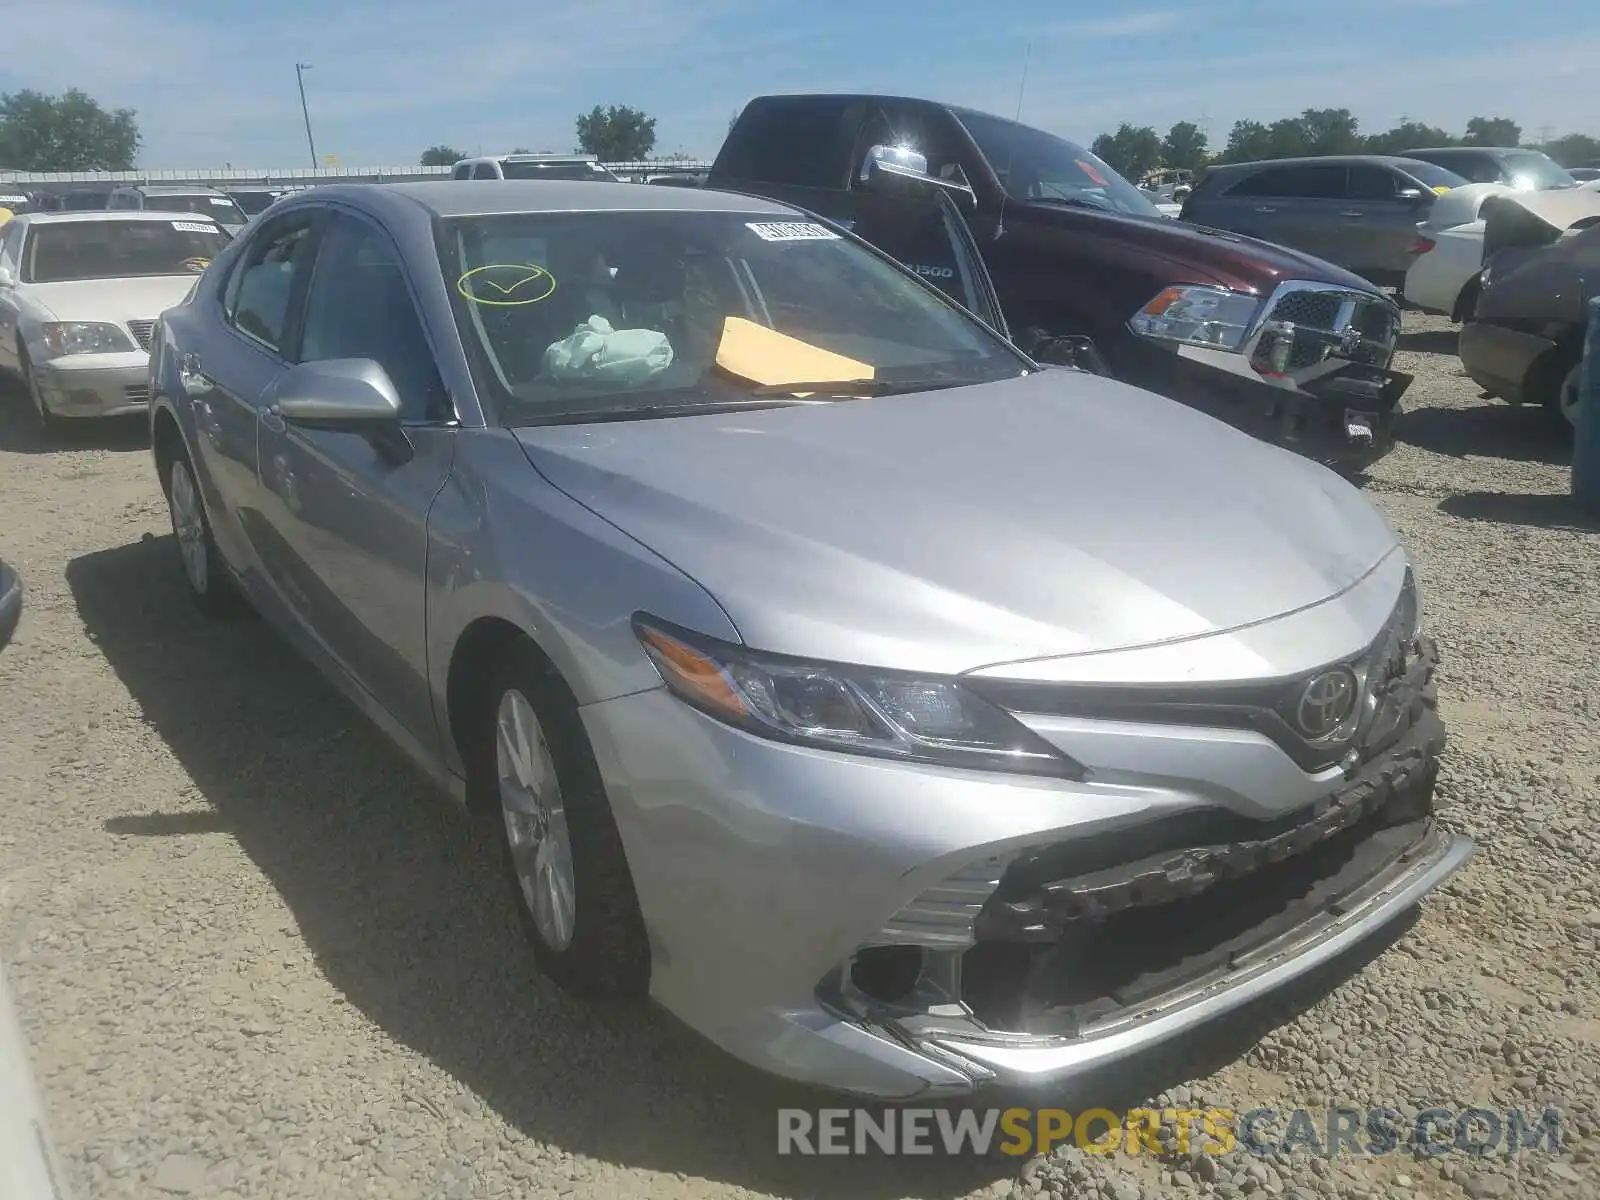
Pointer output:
x,y
47,423
210,586
562,852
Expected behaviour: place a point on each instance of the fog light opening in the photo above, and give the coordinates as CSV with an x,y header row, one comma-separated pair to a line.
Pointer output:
x,y
888,974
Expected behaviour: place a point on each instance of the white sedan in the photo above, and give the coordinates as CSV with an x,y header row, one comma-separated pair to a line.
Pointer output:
x,y
1448,252
80,293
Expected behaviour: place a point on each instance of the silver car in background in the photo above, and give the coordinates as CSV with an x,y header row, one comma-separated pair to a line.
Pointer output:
x,y
903,716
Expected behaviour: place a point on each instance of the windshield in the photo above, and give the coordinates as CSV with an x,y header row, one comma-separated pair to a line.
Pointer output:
x,y
219,208
249,203
604,314
1034,165
83,201
57,253
571,170
1433,175
1535,171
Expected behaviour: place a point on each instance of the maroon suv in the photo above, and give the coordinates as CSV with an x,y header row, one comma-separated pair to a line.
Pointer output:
x,y
1286,345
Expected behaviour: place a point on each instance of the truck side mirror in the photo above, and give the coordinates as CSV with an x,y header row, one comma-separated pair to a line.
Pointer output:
x,y
901,170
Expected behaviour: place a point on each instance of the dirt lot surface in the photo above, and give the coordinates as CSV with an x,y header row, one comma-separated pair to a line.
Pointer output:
x,y
256,957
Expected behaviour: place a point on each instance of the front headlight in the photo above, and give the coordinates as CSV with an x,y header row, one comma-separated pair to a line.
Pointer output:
x,y
1198,316
853,709
83,337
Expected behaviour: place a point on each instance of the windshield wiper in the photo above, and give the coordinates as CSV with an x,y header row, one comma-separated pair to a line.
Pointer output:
x,y
854,387
645,412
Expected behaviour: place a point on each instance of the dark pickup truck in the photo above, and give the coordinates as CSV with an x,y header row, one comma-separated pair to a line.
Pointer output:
x,y
997,213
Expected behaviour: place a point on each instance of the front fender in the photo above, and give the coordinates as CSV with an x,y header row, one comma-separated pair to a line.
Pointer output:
x,y
505,545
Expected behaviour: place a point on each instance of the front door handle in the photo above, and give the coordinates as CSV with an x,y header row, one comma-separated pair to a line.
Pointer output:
x,y
272,418
1266,208
194,381
1353,213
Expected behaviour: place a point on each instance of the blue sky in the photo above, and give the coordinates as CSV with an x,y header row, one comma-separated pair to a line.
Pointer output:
x,y
214,81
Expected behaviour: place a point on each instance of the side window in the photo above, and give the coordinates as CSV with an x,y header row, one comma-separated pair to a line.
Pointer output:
x,y
1314,181
1374,183
264,278
462,171
484,171
10,248
928,131
359,307
1480,168
798,144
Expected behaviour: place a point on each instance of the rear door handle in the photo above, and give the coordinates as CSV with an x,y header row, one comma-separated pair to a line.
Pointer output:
x,y
1356,212
1266,208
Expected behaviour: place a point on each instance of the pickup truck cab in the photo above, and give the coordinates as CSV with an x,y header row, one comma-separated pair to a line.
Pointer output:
x,y
1277,342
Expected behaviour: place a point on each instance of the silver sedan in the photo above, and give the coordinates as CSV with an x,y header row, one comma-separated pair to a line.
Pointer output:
x,y
902,715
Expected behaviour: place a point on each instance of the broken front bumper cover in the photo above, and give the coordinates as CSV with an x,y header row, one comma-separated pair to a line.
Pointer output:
x,y
1016,1059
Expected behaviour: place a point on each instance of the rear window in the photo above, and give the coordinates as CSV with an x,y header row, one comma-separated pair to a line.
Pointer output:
x,y
577,170
795,144
218,208
57,253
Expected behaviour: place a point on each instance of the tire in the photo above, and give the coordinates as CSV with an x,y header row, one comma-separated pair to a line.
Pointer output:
x,y
1567,398
210,585
533,757
46,422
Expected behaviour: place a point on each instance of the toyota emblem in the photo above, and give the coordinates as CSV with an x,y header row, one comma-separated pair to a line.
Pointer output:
x,y
1349,341
1326,702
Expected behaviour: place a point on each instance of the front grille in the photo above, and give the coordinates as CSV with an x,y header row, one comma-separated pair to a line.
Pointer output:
x,y
136,393
142,331
1319,318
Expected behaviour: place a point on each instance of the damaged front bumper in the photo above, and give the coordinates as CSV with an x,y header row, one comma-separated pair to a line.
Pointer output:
x,y
895,930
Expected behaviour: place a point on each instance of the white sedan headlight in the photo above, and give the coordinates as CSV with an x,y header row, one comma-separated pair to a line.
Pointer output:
x,y
62,338
1198,316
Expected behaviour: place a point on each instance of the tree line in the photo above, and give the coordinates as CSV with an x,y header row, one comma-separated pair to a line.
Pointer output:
x,y
73,132
613,134
1135,150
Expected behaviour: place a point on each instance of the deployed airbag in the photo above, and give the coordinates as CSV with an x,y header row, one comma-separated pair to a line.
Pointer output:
x,y
598,353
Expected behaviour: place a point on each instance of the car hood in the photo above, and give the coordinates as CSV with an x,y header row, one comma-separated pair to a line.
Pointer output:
x,y
1059,513
1199,254
116,300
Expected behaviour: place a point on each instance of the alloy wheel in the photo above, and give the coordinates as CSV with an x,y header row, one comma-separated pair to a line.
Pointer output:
x,y
188,525
535,819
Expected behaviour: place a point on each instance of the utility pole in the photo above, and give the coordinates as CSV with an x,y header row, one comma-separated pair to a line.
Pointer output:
x,y
300,70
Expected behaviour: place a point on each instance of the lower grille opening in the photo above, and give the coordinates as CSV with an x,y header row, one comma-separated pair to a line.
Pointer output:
x,y
1102,966
887,973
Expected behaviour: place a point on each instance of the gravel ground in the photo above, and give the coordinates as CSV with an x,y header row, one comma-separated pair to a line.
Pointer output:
x,y
256,957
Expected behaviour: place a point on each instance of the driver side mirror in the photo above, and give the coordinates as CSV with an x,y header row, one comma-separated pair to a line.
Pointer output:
x,y
6,278
900,170
338,393
1415,196
1074,351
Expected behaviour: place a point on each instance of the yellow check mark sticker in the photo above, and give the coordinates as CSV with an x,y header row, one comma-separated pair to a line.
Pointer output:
x,y
507,284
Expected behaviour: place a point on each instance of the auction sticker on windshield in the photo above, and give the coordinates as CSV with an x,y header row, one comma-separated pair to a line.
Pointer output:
x,y
194,227
791,231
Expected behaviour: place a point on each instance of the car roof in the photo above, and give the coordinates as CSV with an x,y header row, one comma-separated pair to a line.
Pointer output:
x,y
488,197
167,189
1491,151
1385,160
106,214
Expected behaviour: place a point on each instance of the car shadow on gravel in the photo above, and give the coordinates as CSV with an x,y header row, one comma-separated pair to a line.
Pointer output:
x,y
399,897
1544,511
1491,430
20,434
1429,341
